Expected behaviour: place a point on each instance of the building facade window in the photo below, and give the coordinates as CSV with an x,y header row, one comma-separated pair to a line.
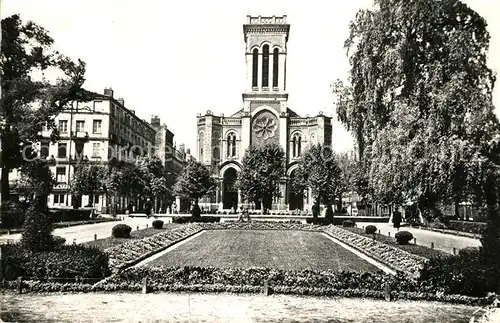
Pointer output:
x,y
61,175
231,145
97,126
58,198
275,67
265,66
80,125
61,150
296,145
255,67
96,147
63,126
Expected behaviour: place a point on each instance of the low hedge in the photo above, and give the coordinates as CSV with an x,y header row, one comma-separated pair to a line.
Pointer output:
x,y
181,219
68,261
64,215
464,274
466,226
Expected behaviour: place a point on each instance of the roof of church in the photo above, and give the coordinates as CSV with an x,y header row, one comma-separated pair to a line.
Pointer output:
x,y
291,113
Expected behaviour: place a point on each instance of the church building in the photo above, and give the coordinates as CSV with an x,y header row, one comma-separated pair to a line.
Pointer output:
x,y
264,118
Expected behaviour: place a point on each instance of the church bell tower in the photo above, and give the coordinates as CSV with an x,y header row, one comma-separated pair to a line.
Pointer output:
x,y
265,97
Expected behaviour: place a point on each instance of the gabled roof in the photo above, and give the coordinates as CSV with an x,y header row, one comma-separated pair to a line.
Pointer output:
x,y
238,114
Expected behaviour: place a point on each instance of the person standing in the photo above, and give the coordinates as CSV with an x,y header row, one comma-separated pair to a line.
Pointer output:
x,y
396,219
147,208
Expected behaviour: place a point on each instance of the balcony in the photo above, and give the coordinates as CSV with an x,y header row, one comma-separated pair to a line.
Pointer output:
x,y
266,20
79,135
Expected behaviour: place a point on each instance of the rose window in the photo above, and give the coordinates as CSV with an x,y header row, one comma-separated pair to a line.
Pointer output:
x,y
265,128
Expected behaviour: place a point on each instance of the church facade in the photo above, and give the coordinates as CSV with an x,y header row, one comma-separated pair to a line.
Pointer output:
x,y
264,118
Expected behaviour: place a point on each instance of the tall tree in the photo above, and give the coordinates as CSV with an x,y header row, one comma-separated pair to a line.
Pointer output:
x,y
29,105
319,168
263,168
194,182
420,102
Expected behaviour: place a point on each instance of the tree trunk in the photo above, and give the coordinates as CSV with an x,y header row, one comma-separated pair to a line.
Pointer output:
x,y
490,240
5,184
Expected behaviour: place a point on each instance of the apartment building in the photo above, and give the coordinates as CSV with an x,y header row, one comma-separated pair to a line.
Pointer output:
x,y
97,131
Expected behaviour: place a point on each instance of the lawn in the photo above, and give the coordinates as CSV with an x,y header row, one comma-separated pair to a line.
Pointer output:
x,y
411,248
289,250
135,234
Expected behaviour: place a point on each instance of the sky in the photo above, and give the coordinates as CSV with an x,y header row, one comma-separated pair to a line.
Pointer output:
x,y
178,58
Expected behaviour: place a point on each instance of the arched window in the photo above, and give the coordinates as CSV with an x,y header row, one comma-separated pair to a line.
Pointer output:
x,y
231,144
255,67
265,66
275,67
297,145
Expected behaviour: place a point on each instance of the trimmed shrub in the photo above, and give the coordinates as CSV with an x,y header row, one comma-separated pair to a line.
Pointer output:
x,y
58,242
158,224
12,214
66,262
121,231
403,237
370,229
37,233
348,223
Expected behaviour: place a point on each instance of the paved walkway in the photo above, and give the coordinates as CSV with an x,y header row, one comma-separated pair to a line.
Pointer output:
x,y
84,233
240,308
442,241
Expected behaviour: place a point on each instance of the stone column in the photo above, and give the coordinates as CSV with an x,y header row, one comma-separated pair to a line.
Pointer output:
x,y
271,63
178,203
283,192
259,73
281,73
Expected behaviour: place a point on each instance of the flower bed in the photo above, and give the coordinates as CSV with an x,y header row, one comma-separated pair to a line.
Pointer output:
x,y
262,225
391,256
307,282
127,254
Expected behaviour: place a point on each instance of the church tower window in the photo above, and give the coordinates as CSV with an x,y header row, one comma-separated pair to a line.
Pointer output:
x,y
265,66
296,145
255,67
275,67
231,144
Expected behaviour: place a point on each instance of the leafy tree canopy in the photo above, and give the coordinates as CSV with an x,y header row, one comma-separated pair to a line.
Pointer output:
x,y
30,104
194,182
419,103
262,169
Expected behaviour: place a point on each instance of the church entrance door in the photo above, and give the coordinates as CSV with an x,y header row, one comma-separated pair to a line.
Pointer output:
x,y
230,193
296,201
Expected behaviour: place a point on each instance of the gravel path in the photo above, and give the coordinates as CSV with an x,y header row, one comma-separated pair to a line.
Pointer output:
x,y
177,307
442,241
84,233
